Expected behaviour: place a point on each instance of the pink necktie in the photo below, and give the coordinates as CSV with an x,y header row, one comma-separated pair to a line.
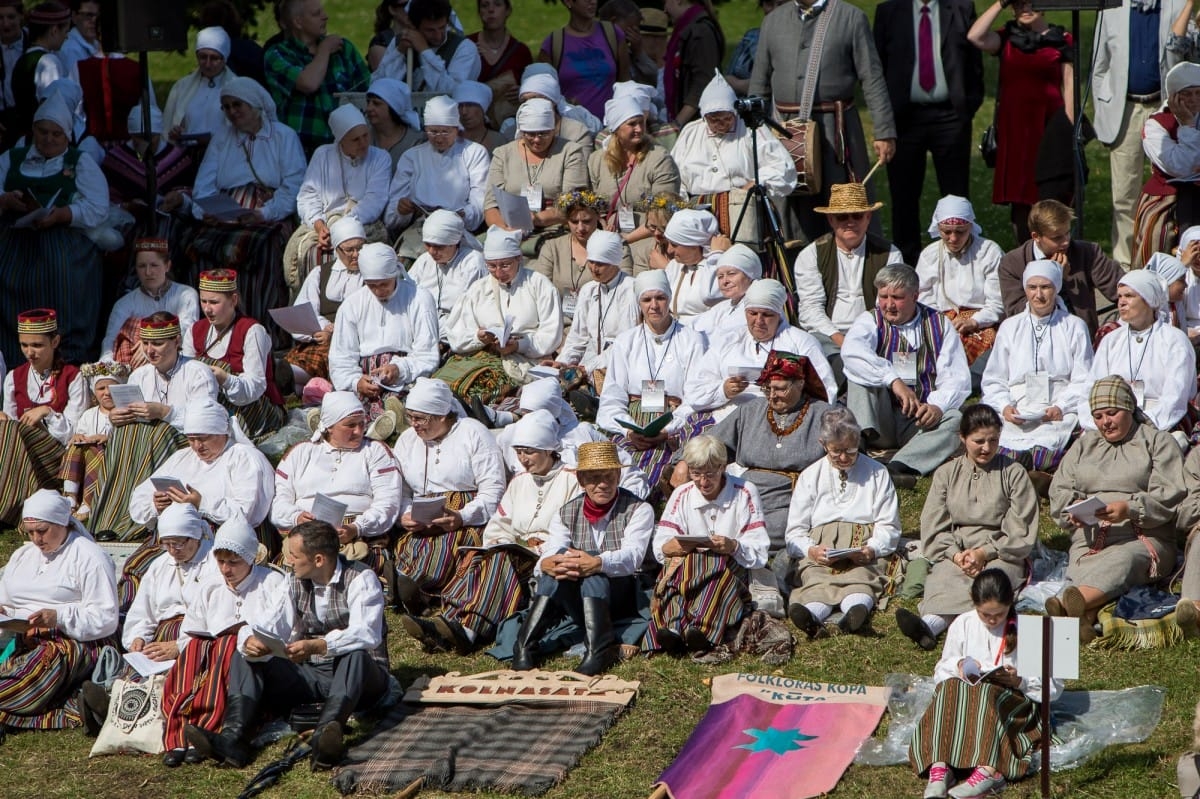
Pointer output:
x,y
925,71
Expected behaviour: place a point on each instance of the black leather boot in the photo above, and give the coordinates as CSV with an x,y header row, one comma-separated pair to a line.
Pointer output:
x,y
602,647
229,747
539,618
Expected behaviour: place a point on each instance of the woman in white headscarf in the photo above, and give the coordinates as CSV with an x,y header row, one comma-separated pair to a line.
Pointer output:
x,y
715,155
695,244
1155,358
1039,374
653,369
733,362
63,584
960,276
454,477
1175,277
395,126
258,163
490,585
69,183
1169,139
346,178
447,171
474,99
736,269
505,323
452,261
630,168
341,464
193,109
539,166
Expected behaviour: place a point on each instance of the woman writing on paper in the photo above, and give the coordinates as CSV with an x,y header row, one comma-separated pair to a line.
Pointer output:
x,y
985,730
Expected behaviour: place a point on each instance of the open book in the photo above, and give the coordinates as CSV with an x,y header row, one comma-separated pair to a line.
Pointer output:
x,y
649,430
840,554
1085,510
973,674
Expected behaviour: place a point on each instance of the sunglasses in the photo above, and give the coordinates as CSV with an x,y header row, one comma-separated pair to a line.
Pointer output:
x,y
857,215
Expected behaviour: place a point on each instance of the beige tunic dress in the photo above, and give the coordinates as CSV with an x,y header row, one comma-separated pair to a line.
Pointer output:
x,y
563,169
557,262
1146,470
655,174
994,509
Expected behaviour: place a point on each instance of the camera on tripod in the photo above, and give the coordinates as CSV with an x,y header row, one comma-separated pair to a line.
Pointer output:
x,y
753,110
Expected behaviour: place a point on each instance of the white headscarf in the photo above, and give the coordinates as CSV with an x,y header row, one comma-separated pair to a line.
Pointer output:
x,y
1187,237
743,259
134,121
953,207
1182,76
1046,268
46,505
336,406
1149,286
641,92
442,111
443,227
767,294
501,244
543,85
692,227
54,109
535,115
545,394
214,38
204,417
432,396
378,261
344,119
472,91
346,228
652,280
1167,267
182,520
605,247
237,536
251,92
398,98
537,430
620,110
717,96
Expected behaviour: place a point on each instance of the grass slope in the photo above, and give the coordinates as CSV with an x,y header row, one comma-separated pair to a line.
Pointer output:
x,y
674,695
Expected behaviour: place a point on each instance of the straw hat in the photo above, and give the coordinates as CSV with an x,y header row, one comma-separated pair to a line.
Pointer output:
x,y
848,198
597,456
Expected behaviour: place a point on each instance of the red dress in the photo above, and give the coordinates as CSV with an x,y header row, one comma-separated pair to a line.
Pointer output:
x,y
1030,93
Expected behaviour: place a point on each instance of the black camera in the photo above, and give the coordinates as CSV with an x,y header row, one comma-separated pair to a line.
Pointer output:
x,y
753,110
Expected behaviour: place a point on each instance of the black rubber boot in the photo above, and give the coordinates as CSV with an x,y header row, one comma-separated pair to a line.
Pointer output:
x,y
602,647
229,747
538,619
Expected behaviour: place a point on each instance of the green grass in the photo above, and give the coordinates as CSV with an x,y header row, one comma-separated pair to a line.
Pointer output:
x,y
674,695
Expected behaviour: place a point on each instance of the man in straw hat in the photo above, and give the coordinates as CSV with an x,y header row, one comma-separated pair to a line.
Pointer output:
x,y
835,275
906,376
847,57
588,572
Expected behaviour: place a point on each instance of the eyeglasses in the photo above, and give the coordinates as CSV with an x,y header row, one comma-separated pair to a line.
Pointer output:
x,y
174,544
840,453
537,134
419,419
857,215
704,474
348,251
773,390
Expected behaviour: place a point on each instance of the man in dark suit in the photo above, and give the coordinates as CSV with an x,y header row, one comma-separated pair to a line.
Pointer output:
x,y
935,83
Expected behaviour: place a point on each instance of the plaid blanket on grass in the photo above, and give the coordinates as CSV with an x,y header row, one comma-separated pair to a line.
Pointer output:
x,y
510,748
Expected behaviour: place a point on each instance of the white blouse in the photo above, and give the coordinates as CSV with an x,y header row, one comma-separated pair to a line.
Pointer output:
x,y
341,284
260,601
530,300
367,480
709,164
239,479
968,636
1163,361
735,513
449,281
167,589
969,280
603,311
76,581
466,459
529,505
188,381
867,497
278,160
406,322
335,184
455,180
59,425
247,387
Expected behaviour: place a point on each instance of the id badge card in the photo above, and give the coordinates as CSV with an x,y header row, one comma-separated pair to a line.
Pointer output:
x,y
570,299
654,396
1139,392
1037,388
625,219
533,196
905,364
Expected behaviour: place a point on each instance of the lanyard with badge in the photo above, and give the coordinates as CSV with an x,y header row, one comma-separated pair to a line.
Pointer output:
x,y
654,393
1037,382
904,361
1138,386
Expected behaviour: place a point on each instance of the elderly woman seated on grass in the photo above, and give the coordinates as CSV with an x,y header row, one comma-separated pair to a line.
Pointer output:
x,y
983,718
710,535
843,523
981,512
1135,473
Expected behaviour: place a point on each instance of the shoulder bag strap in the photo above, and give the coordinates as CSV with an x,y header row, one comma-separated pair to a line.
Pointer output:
x,y
812,72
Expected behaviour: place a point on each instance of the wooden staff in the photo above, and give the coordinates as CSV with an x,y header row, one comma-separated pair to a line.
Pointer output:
x,y
660,792
412,789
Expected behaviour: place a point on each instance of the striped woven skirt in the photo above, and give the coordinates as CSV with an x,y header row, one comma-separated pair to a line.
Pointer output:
x,y
702,590
487,588
1038,459
134,568
57,268
428,557
310,356
375,406
977,343
80,472
480,374
1154,228
132,454
971,725
37,686
32,458
259,418
652,462
256,251
194,692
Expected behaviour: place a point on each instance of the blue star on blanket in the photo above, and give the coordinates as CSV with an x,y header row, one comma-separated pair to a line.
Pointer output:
x,y
774,740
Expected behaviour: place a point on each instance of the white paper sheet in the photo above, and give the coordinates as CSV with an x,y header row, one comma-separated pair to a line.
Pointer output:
x,y
220,206
300,320
426,509
1085,510
329,510
514,209
145,666
125,394
167,483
